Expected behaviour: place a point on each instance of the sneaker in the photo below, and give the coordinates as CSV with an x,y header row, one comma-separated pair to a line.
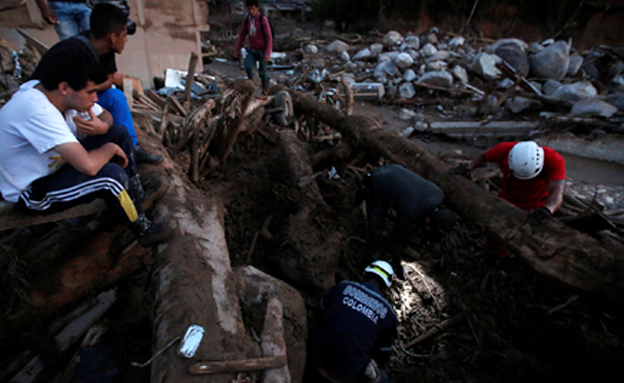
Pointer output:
x,y
150,233
143,156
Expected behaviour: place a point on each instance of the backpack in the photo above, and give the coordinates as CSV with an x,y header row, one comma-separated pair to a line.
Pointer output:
x,y
262,29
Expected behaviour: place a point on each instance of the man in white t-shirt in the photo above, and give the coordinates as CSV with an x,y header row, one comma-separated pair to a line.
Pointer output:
x,y
44,167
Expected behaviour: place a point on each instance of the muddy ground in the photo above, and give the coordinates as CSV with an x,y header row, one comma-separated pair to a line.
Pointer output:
x,y
464,316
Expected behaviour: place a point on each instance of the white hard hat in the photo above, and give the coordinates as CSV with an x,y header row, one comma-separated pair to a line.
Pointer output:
x,y
526,160
383,270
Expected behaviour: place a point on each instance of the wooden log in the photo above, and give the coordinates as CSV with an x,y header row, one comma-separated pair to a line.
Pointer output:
x,y
254,289
574,259
312,241
190,78
194,285
272,342
237,365
11,218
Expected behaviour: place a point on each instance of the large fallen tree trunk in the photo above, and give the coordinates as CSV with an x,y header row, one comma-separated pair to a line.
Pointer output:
x,y
552,249
194,285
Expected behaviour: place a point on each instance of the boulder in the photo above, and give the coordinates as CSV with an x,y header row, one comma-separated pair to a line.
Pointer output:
x,y
403,60
311,49
575,92
387,68
575,65
493,47
412,42
616,99
593,107
437,78
407,90
439,55
392,39
515,56
409,75
551,62
551,87
518,104
428,50
436,66
338,46
387,56
364,54
485,65
457,41
460,73
376,49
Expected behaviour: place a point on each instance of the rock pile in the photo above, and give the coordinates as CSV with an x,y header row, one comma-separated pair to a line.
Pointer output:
x,y
588,84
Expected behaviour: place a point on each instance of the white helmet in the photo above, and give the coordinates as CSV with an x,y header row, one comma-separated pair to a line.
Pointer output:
x,y
526,160
383,270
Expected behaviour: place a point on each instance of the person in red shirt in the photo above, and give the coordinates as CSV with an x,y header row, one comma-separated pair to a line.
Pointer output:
x,y
533,176
256,26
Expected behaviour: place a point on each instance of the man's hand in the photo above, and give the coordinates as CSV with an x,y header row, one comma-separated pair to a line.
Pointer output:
x,y
93,127
120,156
540,215
46,13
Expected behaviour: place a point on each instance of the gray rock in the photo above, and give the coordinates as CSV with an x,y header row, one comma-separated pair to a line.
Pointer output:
x,y
457,41
409,75
437,78
505,84
617,83
412,42
428,50
616,99
344,56
311,49
407,90
376,49
575,92
387,68
387,56
403,60
460,73
518,104
436,66
551,62
521,44
430,38
593,107
485,65
440,55
415,55
338,46
364,54
575,65
407,114
551,87
515,56
392,39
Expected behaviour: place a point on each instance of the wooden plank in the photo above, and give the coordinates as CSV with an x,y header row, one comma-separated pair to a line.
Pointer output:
x,y
11,218
214,367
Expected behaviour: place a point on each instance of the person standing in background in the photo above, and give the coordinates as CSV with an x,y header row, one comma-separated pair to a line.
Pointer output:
x,y
69,17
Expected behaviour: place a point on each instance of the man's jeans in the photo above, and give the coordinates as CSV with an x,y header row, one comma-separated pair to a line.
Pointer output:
x,y
73,18
254,56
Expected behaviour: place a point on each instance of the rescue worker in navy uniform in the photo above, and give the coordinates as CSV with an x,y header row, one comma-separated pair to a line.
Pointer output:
x,y
414,199
356,329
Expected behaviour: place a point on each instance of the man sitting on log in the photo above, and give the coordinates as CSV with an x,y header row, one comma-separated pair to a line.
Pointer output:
x,y
356,329
533,176
45,168
414,199
109,32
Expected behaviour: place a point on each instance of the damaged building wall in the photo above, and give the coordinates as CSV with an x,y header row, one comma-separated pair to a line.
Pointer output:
x,y
167,33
